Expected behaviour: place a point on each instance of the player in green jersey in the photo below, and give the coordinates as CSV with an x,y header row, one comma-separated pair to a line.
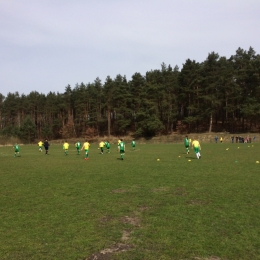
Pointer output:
x,y
78,145
133,144
16,150
107,145
187,144
122,149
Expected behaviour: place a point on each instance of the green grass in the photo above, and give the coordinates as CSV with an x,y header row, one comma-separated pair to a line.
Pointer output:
x,y
63,207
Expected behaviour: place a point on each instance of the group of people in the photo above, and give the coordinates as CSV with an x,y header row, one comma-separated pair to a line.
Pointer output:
x,y
195,144
85,147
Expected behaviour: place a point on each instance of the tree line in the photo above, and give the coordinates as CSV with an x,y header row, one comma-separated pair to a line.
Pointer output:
x,y
218,94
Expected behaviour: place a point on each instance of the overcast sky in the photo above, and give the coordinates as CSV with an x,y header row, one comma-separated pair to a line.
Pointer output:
x,y
46,45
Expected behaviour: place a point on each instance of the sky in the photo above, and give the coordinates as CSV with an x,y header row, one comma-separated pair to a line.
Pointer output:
x,y
46,45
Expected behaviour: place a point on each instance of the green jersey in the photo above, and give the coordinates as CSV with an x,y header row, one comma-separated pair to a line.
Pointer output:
x,y
107,145
186,142
78,144
16,147
133,143
122,146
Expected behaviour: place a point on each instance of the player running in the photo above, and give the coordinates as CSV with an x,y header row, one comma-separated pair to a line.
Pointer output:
x,y
133,144
66,147
197,148
78,145
187,144
40,146
107,145
122,149
16,150
86,146
101,147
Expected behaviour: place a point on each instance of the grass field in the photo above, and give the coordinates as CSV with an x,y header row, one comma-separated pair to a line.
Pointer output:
x,y
63,207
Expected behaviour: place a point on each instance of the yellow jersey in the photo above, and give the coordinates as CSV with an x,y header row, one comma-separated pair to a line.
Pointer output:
x,y
66,146
40,143
86,145
101,144
196,143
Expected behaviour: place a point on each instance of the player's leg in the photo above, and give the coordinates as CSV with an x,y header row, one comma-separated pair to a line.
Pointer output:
x,y
86,155
122,153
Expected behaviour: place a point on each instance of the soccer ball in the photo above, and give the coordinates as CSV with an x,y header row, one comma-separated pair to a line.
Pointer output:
x,y
158,160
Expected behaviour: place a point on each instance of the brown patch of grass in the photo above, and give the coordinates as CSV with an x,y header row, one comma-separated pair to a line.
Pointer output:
x,y
135,221
180,192
106,253
161,189
126,235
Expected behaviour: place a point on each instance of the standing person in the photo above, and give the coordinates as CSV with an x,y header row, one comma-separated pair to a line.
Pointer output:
x,y
66,147
46,146
216,139
78,145
16,150
187,144
107,144
197,148
86,146
133,144
221,139
122,149
232,139
118,144
101,147
40,146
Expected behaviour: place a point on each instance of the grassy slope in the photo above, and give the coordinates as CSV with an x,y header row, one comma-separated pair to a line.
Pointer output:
x,y
62,207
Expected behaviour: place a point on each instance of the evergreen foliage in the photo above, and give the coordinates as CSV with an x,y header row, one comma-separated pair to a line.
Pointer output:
x,y
218,94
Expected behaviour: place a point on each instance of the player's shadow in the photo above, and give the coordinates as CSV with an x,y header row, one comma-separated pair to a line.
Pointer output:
x,y
189,157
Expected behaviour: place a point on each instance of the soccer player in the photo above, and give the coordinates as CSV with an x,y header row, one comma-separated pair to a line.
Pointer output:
x,y
46,146
16,150
107,144
40,146
187,144
133,144
86,146
66,147
101,147
78,145
197,148
122,149
118,144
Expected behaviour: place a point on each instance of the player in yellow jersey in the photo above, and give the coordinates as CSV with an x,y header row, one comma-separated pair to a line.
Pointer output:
x,y
86,146
101,147
66,147
40,146
197,148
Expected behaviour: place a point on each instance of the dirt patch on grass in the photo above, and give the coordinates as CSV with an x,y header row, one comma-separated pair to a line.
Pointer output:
x,y
161,189
180,192
135,221
126,235
107,253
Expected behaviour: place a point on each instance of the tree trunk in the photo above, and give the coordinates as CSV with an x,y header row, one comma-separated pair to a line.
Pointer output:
x,y
210,123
